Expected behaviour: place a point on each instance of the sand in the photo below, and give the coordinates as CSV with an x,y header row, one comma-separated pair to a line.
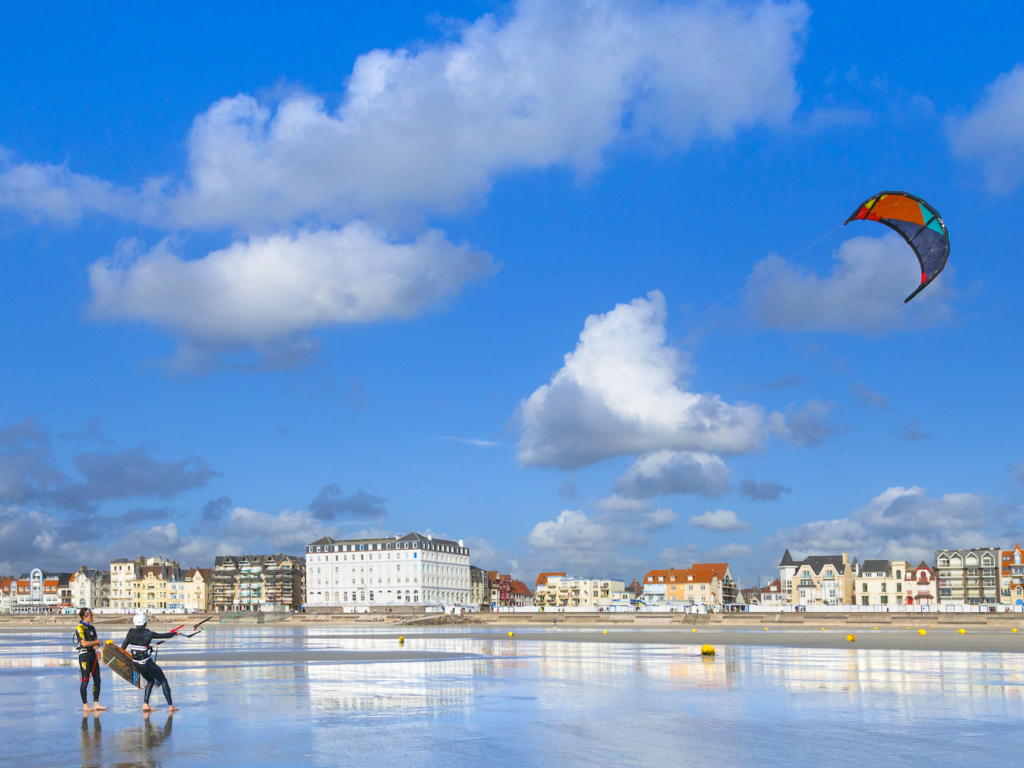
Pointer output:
x,y
942,639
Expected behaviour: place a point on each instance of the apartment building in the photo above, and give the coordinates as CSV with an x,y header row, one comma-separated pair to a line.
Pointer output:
x,y
197,589
256,582
124,572
1011,577
881,582
158,587
479,588
90,588
403,570
819,579
968,576
701,584
36,592
561,591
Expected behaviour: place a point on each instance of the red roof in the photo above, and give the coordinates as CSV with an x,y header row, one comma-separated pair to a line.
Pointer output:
x,y
543,578
521,589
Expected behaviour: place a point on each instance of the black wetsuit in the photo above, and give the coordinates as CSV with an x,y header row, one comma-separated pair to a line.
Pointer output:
x,y
88,663
139,642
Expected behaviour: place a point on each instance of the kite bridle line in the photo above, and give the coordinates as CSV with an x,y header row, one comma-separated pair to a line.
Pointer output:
x,y
558,403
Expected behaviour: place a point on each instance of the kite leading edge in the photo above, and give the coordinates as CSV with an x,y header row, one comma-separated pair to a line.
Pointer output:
x,y
917,222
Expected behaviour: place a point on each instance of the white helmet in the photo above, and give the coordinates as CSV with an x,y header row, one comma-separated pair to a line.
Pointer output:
x,y
139,620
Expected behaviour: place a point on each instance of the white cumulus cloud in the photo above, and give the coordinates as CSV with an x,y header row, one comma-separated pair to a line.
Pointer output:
x,y
267,288
993,134
719,520
622,392
549,84
863,293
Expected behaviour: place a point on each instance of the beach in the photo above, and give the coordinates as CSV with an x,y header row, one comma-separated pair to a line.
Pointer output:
x,y
302,693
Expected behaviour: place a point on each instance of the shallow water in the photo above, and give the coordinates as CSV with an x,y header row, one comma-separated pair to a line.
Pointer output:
x,y
351,697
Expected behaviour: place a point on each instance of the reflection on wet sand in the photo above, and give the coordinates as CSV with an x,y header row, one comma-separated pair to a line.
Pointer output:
x,y
549,702
92,742
393,685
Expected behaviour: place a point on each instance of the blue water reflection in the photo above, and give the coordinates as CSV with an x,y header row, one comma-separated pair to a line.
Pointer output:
x,y
334,696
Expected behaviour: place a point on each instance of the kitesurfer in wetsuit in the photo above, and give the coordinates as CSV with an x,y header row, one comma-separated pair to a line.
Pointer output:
x,y
88,660
139,642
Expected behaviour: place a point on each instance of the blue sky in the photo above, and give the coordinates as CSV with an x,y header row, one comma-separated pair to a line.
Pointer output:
x,y
264,278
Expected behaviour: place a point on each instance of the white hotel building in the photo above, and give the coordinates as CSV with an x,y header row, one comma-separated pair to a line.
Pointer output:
x,y
404,570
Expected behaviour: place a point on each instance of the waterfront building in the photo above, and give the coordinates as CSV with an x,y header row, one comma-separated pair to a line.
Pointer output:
x,y
479,588
774,594
920,586
882,582
701,584
90,588
521,594
819,579
124,572
256,583
403,570
197,589
506,592
157,587
1011,577
968,576
561,591
787,570
37,592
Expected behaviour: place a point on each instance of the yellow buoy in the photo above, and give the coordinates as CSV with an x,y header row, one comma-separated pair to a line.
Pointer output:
x,y
850,638
1014,630
876,627
922,632
822,629
401,640
707,650
605,632
766,629
511,635
962,631
695,630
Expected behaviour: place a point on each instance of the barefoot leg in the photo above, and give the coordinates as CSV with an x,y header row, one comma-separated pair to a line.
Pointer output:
x,y
147,708
97,707
172,708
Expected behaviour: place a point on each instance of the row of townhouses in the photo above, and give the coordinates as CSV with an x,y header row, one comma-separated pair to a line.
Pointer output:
x,y
416,571
982,576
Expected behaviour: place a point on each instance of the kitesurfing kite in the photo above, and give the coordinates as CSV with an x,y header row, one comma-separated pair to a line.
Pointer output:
x,y
917,222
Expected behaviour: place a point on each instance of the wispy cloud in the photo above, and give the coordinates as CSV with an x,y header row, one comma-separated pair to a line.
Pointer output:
x,y
479,443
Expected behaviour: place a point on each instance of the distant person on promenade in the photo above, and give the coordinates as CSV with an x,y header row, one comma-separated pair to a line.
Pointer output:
x,y
88,660
139,642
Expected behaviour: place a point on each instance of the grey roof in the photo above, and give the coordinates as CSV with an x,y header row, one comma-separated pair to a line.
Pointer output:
x,y
817,562
875,566
787,559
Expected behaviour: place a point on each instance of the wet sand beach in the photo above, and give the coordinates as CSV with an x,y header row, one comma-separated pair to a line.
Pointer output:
x,y
349,693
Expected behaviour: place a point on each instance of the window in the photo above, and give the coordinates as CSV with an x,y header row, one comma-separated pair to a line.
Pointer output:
x,y
864,599
865,589
885,599
899,575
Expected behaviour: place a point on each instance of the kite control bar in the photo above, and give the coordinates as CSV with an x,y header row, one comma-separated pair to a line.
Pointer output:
x,y
196,629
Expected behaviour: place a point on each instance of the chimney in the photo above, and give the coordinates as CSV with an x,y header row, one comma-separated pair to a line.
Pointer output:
x,y
845,561
460,542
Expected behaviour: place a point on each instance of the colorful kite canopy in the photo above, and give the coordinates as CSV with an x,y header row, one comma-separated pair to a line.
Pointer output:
x,y
918,223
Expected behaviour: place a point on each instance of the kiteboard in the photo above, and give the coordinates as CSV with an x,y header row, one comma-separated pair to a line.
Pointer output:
x,y
120,663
